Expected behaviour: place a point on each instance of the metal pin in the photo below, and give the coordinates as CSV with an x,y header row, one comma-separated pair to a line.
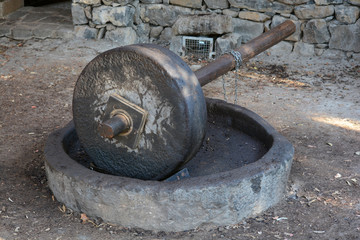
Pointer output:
x,y
114,126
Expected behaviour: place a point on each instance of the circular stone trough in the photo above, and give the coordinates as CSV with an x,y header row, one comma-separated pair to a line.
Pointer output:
x,y
240,171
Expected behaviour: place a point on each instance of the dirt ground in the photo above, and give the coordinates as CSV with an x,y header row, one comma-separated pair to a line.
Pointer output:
x,y
314,102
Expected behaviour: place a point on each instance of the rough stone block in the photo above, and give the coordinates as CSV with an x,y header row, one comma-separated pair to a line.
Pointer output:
x,y
162,15
151,1
143,32
345,37
247,29
88,2
253,16
216,4
227,42
295,37
347,14
304,49
166,34
316,31
262,6
78,14
322,45
119,16
101,33
319,51
230,12
203,25
124,36
293,2
281,49
328,2
176,45
156,31
354,2
312,11
88,11
85,32
187,3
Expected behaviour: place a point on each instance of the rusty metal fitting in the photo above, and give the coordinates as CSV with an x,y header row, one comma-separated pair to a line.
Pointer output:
x,y
119,123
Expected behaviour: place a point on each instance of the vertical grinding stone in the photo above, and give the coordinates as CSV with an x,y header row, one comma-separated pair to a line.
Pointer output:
x,y
156,80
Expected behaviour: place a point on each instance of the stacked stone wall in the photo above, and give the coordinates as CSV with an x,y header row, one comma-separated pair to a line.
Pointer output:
x,y
329,27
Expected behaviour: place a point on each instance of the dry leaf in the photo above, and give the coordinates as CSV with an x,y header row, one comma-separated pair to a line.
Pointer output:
x,y
62,208
84,218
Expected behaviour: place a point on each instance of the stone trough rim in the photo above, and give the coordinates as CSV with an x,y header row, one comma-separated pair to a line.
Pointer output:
x,y
59,165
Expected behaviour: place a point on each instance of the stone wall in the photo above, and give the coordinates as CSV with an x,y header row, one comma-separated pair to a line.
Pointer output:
x,y
329,27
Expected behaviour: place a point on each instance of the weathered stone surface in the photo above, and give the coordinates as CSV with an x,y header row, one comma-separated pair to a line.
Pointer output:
x,y
295,37
253,16
262,6
345,37
166,34
110,27
319,51
216,4
347,14
124,36
354,2
44,30
163,15
5,30
328,2
176,45
85,32
119,16
187,3
312,11
143,32
22,32
322,45
293,2
267,25
304,49
151,1
78,14
247,29
227,42
124,2
64,32
281,49
88,2
155,31
230,12
203,25
88,11
108,2
333,54
316,31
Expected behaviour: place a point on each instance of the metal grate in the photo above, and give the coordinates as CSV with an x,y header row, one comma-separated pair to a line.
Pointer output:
x,y
200,47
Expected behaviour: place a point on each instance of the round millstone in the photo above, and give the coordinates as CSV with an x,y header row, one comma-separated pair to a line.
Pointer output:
x,y
220,197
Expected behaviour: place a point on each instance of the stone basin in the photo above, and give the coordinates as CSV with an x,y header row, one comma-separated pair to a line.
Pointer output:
x,y
241,170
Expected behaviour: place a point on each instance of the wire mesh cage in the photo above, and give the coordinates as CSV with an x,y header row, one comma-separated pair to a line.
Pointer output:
x,y
200,47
